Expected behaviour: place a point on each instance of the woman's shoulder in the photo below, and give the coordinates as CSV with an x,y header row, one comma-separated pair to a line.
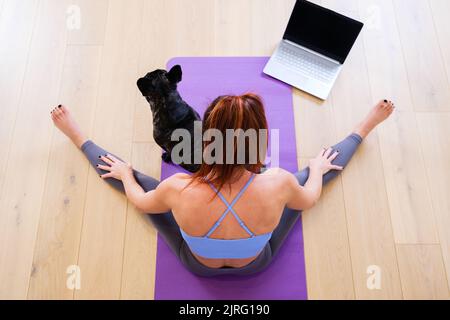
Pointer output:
x,y
277,173
278,177
180,176
271,173
178,179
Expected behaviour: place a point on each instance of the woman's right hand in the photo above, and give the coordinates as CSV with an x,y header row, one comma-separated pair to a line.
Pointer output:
x,y
323,162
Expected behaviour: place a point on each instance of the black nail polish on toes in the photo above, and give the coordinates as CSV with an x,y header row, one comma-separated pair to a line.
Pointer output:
x,y
385,101
99,157
59,106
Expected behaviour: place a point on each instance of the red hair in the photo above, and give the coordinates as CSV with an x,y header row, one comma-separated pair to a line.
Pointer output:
x,y
244,112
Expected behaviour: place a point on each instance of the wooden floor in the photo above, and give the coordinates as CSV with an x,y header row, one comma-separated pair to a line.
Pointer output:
x,y
390,210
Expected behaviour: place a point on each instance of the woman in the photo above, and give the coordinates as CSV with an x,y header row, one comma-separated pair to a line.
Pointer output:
x,y
226,219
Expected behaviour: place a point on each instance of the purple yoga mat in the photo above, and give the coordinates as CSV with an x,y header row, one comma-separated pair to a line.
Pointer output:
x,y
204,79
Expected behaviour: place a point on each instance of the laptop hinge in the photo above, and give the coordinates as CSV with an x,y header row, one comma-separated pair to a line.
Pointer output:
x,y
311,51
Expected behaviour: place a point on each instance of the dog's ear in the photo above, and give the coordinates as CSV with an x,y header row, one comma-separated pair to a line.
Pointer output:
x,y
175,74
144,85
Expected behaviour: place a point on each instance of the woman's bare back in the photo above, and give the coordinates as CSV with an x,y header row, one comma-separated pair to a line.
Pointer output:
x,y
260,208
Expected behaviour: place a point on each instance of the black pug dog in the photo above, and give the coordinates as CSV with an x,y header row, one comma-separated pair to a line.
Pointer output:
x,y
169,110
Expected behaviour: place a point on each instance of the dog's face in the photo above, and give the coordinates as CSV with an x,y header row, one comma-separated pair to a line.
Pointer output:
x,y
160,82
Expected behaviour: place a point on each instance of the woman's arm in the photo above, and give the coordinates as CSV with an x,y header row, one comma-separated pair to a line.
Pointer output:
x,y
304,198
148,202
154,201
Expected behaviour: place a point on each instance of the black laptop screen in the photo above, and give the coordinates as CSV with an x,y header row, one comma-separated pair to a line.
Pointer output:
x,y
322,30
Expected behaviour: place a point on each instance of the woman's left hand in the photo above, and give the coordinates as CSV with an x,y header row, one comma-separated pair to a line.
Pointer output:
x,y
116,168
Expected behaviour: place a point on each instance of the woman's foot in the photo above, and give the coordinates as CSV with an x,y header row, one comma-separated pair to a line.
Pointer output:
x,y
64,121
378,114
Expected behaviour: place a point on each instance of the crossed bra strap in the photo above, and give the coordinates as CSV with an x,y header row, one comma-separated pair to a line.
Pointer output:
x,y
230,208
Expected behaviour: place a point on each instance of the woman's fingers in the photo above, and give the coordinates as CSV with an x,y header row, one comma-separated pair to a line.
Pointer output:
x,y
105,168
328,153
334,156
114,159
107,175
106,160
338,168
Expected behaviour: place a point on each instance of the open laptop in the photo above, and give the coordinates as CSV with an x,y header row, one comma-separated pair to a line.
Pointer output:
x,y
314,48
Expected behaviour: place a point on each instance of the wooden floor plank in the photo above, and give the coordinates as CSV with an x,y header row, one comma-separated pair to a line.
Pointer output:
x,y
422,272
435,141
440,10
308,112
92,18
278,13
139,265
155,52
426,70
19,16
406,181
61,218
325,226
384,53
369,226
26,167
327,251
190,32
245,38
408,194
228,33
102,238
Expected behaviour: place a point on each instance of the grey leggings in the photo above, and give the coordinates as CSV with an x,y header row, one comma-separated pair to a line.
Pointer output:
x,y
169,230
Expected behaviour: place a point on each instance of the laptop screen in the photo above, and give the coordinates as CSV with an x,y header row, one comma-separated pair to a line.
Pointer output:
x,y
322,30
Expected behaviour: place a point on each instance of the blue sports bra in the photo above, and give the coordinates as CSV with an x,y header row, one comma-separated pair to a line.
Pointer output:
x,y
209,248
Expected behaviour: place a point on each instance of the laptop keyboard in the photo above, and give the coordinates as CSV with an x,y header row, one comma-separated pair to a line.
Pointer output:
x,y
306,63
